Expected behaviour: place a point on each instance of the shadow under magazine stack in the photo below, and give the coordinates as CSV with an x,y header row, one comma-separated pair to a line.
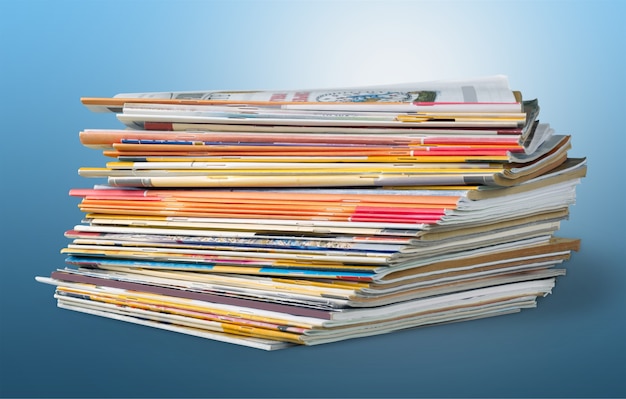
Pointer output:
x,y
276,218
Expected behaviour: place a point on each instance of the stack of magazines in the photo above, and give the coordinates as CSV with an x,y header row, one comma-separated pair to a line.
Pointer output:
x,y
280,218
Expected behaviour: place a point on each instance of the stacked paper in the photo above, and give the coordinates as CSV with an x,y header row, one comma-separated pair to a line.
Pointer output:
x,y
274,218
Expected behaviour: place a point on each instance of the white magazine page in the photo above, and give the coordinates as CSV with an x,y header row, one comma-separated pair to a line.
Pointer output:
x,y
486,89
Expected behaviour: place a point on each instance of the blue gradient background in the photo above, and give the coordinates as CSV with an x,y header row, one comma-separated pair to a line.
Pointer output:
x,y
569,54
